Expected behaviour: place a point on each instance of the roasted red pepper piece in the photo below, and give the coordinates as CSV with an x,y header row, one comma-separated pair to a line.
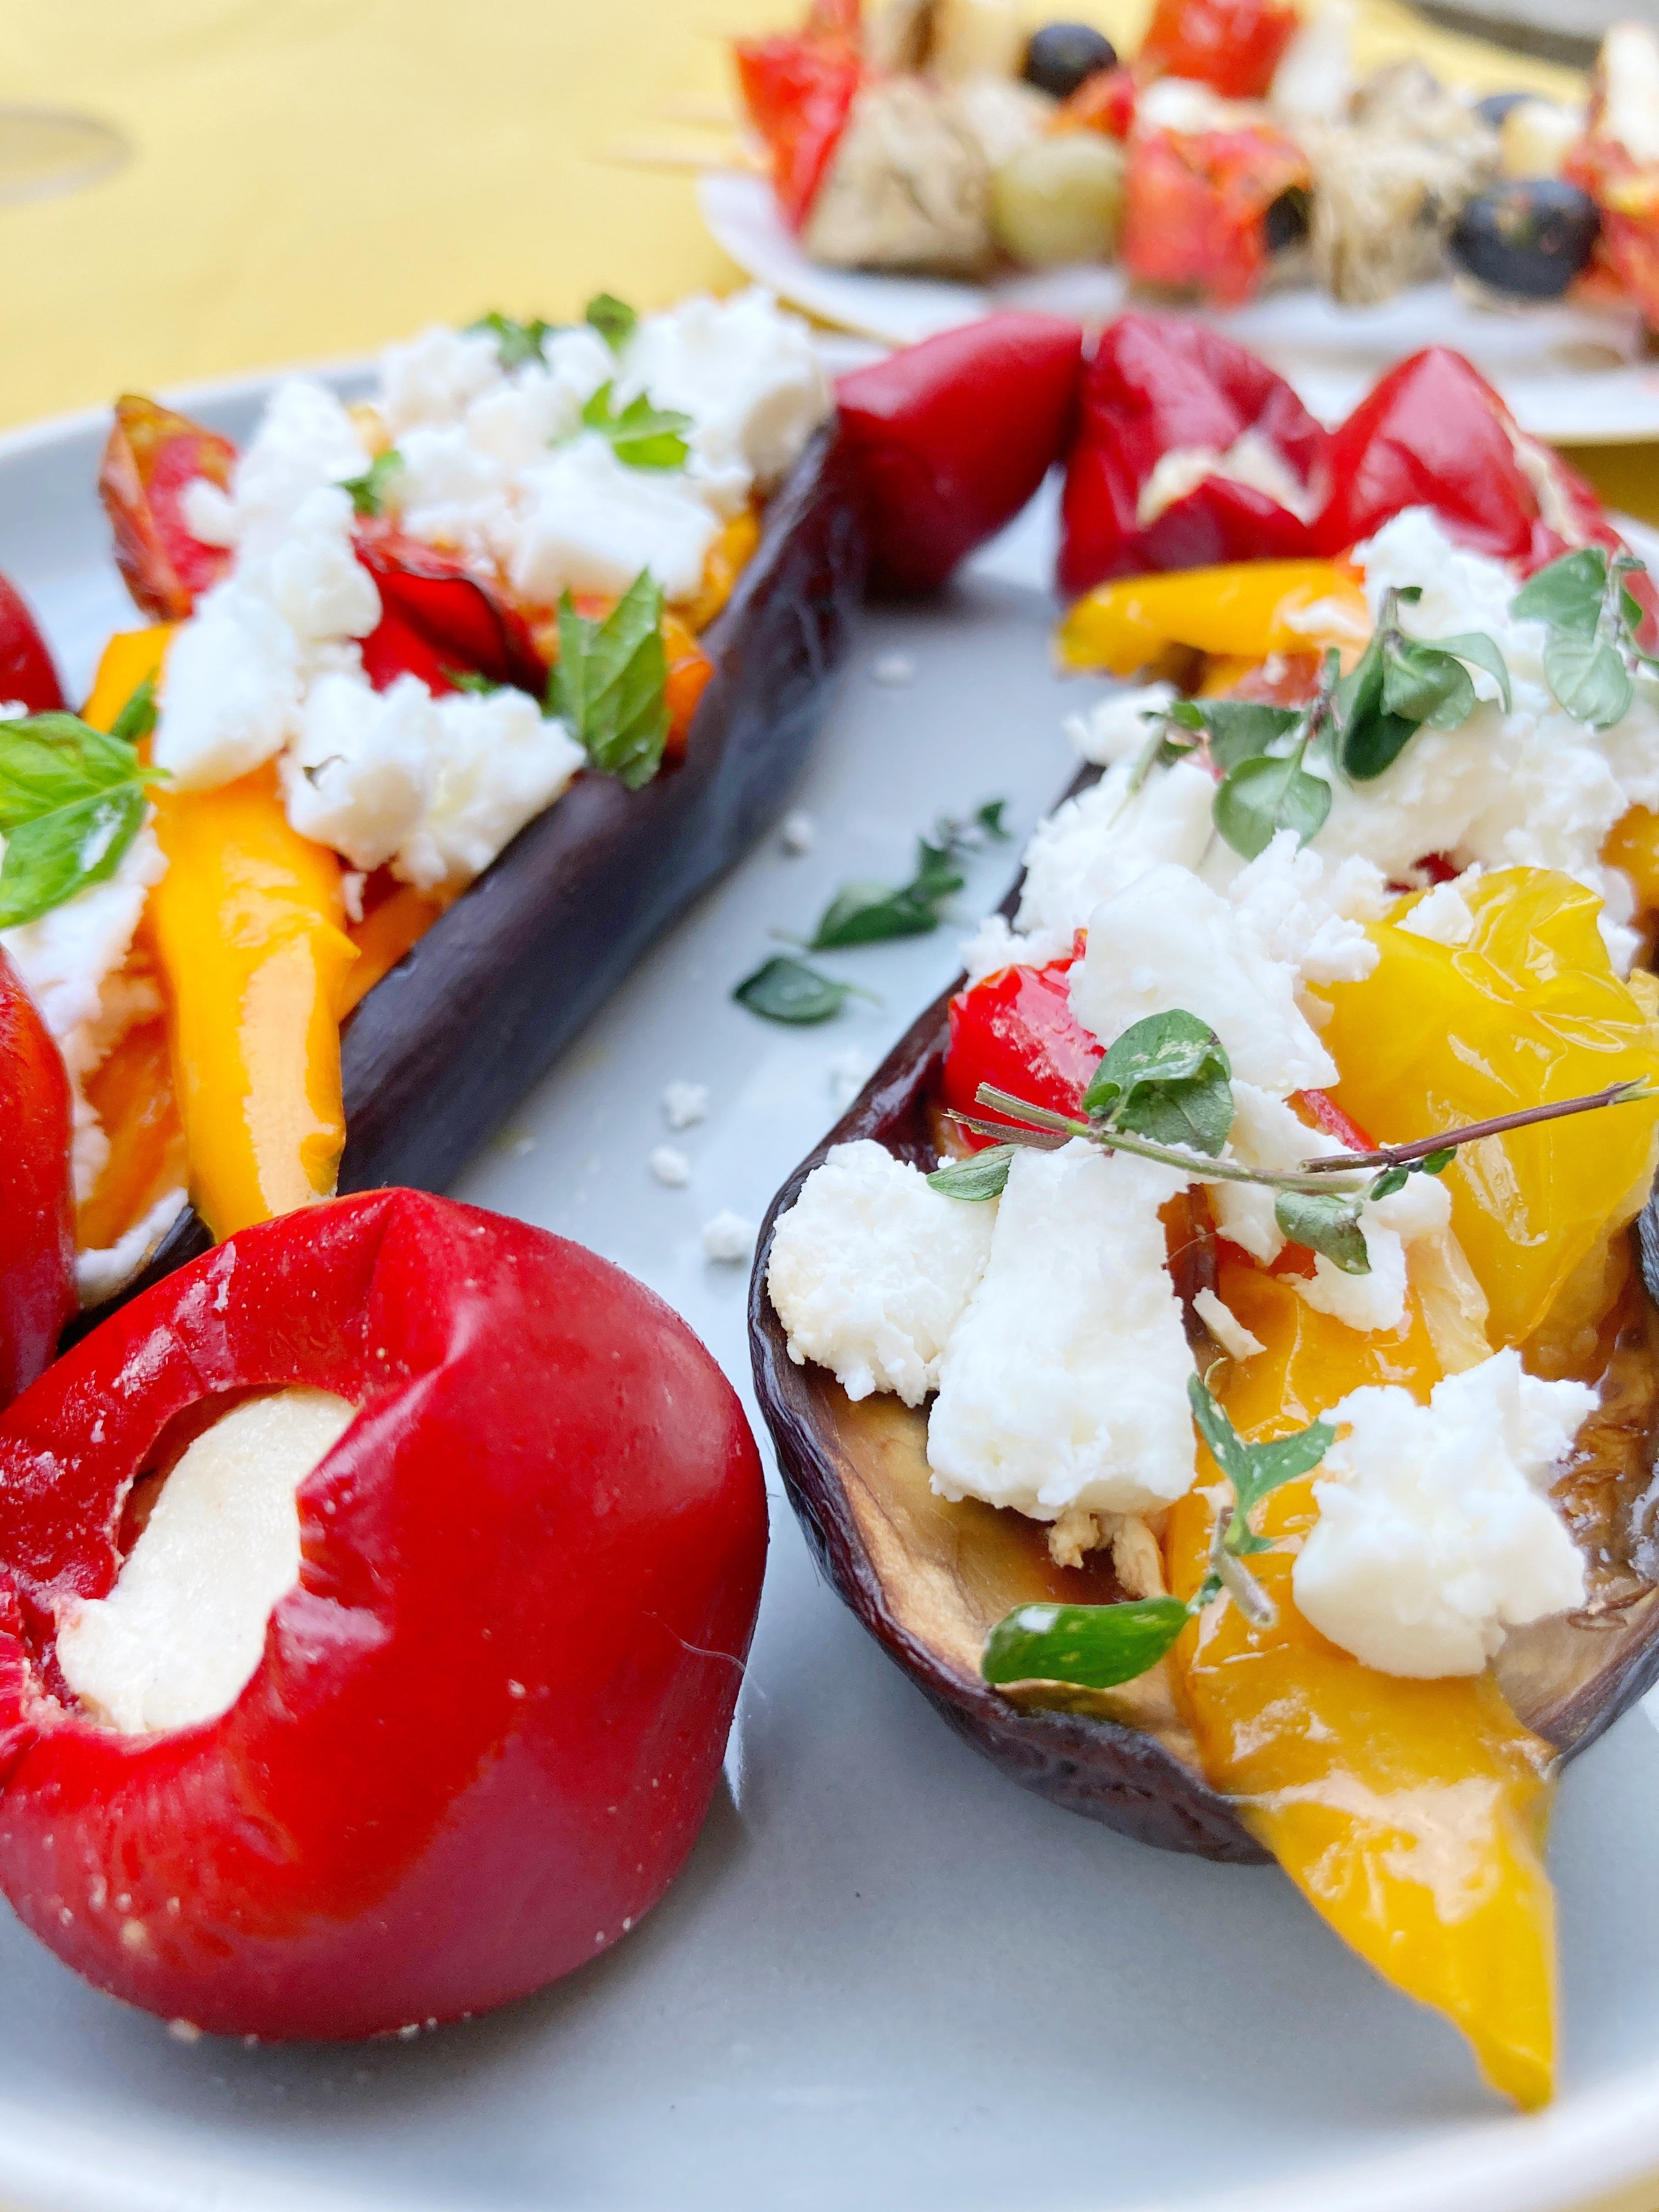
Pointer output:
x,y
37,1218
1233,44
1016,1028
950,438
1104,101
488,1718
152,454
1433,433
1195,206
1162,384
28,676
439,620
797,91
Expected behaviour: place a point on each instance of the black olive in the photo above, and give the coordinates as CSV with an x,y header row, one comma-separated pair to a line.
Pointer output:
x,y
1496,105
1061,55
1285,223
1531,237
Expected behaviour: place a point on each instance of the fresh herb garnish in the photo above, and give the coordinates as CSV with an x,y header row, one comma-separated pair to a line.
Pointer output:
x,y
1096,1646
1261,791
72,799
475,681
866,912
1402,684
1590,619
643,436
989,818
516,342
1167,1078
611,682
613,319
785,989
369,492
980,1176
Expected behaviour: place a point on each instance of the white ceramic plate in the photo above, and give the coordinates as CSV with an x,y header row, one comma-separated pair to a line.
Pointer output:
x,y
1569,373
887,1978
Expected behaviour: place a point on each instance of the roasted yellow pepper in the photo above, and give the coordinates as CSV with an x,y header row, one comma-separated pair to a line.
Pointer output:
x,y
1411,1814
249,928
1243,611
1527,1010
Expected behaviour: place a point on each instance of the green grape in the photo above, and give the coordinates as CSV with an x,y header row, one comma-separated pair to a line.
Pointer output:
x,y
1058,199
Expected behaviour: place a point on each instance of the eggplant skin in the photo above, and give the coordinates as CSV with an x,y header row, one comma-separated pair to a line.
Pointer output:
x,y
1098,1767
445,1046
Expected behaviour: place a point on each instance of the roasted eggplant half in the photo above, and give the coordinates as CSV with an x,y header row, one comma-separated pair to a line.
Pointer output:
x,y
447,1044
930,1579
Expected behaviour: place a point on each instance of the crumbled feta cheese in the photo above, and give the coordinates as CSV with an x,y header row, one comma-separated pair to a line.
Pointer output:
x,y
746,370
870,1269
358,775
893,671
1442,915
994,946
1251,460
209,513
591,524
684,1104
313,577
233,689
1169,940
798,833
498,764
99,1272
1117,727
449,488
728,1237
1435,1531
434,378
1105,839
515,421
671,1166
1309,911
179,1638
1230,1333
1065,1382
305,440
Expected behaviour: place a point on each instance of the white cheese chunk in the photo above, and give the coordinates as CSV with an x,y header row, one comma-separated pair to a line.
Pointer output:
x,y
358,774
684,1104
1118,726
313,577
233,689
1310,912
1167,940
305,440
870,1269
1065,1382
498,764
729,1238
179,1638
1435,1533
100,1271
746,370
1230,1333
1442,915
434,377
1105,839
592,523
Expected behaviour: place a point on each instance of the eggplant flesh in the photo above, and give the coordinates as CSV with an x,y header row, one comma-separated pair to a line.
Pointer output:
x,y
929,1578
444,1047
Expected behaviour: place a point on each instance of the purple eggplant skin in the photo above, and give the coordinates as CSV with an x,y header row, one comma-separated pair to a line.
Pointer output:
x,y
445,1046
1567,1678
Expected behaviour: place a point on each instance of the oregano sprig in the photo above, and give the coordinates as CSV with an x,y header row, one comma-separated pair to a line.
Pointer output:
x,y
1402,684
1590,618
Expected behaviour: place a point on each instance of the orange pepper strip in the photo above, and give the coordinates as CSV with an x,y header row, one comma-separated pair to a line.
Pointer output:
x,y
131,1093
1243,611
388,931
1411,1814
725,562
1632,844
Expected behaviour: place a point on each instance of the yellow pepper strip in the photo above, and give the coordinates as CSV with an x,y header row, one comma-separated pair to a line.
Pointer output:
x,y
726,560
250,926
1632,844
1411,1814
132,657
1527,1010
1244,610
392,928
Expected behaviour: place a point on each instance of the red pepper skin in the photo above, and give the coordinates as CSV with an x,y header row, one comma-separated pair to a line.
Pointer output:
x,y
1233,44
1433,433
1159,384
488,1720
439,620
1016,1028
798,92
27,672
1195,206
1104,101
950,438
37,1217
152,454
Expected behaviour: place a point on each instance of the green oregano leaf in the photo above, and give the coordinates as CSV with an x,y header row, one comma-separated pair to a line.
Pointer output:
x,y
643,436
370,491
1094,1646
516,342
613,319
787,990
981,1176
1567,594
1589,677
1257,799
1168,1078
1327,1224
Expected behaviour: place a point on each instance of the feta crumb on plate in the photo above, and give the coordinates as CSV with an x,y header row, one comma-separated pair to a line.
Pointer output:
x,y
871,1270
671,1166
893,671
684,1104
798,832
728,1237
1065,1382
1435,1534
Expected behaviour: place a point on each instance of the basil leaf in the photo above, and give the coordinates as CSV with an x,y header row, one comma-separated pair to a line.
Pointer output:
x,y
72,799
1474,645
370,491
611,683
984,1174
1239,729
643,436
138,718
516,342
1329,1224
787,990
1256,800
1567,593
867,912
1420,684
1092,1645
1589,677
613,319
